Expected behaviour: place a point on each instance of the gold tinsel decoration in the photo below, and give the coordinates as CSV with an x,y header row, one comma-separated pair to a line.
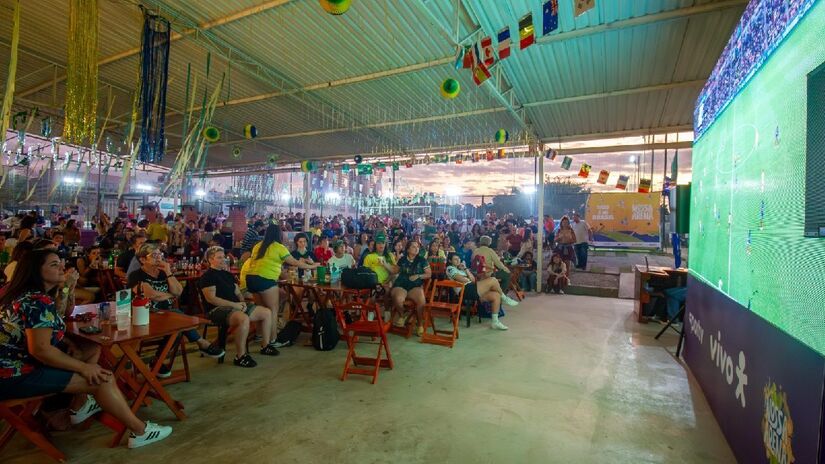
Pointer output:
x,y
81,73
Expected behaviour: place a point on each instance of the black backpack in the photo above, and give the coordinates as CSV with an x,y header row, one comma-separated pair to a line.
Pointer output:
x,y
359,278
324,330
289,333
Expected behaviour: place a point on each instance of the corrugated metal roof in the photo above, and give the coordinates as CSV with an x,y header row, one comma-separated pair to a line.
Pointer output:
x,y
397,54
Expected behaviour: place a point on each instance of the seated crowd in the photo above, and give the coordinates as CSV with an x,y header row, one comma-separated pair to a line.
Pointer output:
x,y
47,273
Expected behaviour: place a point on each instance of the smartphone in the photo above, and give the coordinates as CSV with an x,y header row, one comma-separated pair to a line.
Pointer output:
x,y
90,330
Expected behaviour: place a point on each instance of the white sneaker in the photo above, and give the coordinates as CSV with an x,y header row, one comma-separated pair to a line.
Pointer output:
x,y
151,434
508,301
561,292
498,325
89,409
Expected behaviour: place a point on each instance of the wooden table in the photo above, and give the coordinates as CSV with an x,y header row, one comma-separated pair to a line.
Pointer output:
x,y
161,324
515,273
664,276
324,294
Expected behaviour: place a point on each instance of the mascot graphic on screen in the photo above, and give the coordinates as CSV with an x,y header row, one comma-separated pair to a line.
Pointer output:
x,y
777,426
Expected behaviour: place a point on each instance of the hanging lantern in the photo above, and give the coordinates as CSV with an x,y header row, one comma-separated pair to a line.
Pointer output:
x,y
502,136
358,159
335,7
450,88
250,131
211,134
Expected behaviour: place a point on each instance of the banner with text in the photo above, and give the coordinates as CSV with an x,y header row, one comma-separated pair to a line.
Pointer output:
x,y
764,386
628,220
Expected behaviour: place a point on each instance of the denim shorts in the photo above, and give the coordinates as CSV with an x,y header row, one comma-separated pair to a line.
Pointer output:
x,y
258,284
41,381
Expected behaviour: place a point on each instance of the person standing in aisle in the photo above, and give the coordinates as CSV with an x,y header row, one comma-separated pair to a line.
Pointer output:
x,y
584,235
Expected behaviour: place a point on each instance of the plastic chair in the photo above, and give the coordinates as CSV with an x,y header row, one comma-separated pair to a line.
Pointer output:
x,y
19,414
442,303
362,326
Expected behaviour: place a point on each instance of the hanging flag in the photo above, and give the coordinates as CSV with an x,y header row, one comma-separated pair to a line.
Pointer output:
x,y
644,185
459,57
504,43
487,51
480,73
584,171
603,175
408,165
551,16
501,153
490,155
526,32
622,182
476,157
458,159
583,6
468,59
565,164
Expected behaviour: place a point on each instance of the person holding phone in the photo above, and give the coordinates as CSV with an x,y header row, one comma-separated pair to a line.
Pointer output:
x,y
36,359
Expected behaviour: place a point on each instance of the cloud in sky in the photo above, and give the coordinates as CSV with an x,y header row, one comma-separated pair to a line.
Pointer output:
x,y
499,176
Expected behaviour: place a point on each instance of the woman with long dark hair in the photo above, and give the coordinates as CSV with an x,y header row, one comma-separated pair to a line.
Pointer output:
x,y
34,357
263,270
413,270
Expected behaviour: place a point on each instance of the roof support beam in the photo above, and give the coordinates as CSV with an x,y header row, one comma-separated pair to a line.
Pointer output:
x,y
441,117
246,12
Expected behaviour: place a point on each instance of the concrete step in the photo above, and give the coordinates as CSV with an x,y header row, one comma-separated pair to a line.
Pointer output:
x,y
601,284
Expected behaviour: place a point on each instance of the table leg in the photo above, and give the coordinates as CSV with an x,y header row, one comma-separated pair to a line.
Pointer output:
x,y
150,382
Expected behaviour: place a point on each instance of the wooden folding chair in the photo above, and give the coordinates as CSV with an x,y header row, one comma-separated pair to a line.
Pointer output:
x,y
409,313
19,414
362,326
443,304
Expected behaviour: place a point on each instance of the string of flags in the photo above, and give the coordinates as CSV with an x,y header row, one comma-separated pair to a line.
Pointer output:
x,y
481,55
645,185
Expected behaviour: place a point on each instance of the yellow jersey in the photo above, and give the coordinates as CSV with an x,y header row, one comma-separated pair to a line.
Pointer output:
x,y
373,261
269,266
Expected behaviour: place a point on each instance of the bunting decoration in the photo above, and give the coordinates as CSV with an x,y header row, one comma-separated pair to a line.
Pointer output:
x,y
501,153
480,73
250,132
154,75
584,171
603,175
81,73
459,57
621,184
526,31
644,185
488,57
468,59
583,6
565,164
490,155
8,97
450,88
504,43
551,16
335,7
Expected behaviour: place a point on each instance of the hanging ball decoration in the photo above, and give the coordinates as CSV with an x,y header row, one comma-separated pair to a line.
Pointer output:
x,y
358,159
250,131
236,152
502,136
450,88
307,166
335,7
211,134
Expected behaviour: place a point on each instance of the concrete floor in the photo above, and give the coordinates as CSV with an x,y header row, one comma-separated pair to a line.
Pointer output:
x,y
573,380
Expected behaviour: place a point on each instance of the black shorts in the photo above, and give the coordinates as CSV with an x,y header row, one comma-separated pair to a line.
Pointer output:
x,y
258,284
41,381
220,315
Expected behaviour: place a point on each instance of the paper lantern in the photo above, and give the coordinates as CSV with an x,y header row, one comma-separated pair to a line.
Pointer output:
x,y
236,152
335,7
250,131
502,136
450,88
211,134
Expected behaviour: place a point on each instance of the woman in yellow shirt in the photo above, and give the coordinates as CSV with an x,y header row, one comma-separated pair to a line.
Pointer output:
x,y
263,268
381,261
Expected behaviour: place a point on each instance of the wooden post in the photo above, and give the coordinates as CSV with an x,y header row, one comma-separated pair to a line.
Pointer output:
x,y
540,228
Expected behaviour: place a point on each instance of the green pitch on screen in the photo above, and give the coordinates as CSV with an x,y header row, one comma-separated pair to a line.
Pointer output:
x,y
748,194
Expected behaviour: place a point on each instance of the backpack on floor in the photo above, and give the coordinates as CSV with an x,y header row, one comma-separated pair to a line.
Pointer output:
x,y
289,333
324,330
